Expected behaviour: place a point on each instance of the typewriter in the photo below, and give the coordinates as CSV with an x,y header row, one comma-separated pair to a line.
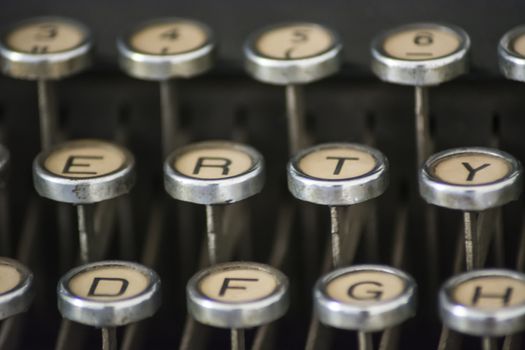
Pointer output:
x,y
253,175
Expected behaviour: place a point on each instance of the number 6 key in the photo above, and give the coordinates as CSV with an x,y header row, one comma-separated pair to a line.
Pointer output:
x,y
421,55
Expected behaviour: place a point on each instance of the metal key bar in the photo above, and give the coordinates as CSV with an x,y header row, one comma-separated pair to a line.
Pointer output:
x,y
515,341
355,224
11,329
69,332
390,337
450,340
5,234
194,334
48,112
134,334
295,115
265,334
318,335
169,115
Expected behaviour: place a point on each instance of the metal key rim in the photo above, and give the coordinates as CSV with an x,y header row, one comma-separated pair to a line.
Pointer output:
x,y
480,322
338,192
83,190
147,66
470,197
55,65
367,318
238,315
292,71
511,64
422,72
109,313
19,298
214,191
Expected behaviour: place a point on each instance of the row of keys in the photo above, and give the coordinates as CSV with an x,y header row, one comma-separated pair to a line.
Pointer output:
x,y
217,173
419,54
240,295
291,54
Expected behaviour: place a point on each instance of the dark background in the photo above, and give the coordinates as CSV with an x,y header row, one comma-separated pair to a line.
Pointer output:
x,y
474,110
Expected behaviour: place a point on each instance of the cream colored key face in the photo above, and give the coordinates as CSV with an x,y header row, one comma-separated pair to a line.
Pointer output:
x,y
471,169
10,278
46,37
213,163
169,38
295,41
518,45
85,159
421,44
108,283
490,292
238,285
365,287
337,163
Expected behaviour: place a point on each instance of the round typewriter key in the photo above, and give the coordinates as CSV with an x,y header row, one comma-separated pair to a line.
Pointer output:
x,y
292,54
84,172
237,295
109,294
337,175
167,48
214,173
16,288
485,303
366,298
511,54
421,55
163,50
471,179
44,49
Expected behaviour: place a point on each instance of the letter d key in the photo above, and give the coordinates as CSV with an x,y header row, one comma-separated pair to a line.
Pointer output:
x,y
109,294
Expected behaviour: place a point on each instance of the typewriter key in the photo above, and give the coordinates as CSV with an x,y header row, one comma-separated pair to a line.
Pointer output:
x,y
421,55
337,174
292,54
16,288
237,295
485,303
214,173
45,49
84,172
366,298
164,50
511,53
109,294
471,179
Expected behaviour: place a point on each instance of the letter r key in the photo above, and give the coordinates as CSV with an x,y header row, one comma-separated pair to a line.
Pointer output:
x,y
214,173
